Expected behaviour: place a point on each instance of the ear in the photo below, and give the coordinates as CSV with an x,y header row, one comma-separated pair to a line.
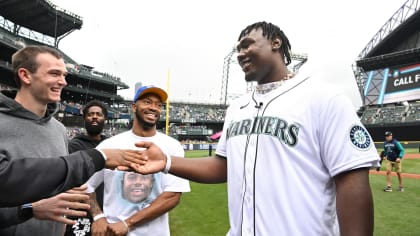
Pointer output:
x,y
24,76
133,107
276,44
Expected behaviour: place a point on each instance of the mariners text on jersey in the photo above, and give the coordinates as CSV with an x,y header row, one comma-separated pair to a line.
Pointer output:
x,y
274,126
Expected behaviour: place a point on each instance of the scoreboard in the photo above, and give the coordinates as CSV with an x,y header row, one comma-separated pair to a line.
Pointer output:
x,y
397,84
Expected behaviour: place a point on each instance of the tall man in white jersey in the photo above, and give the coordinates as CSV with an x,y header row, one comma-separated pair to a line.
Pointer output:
x,y
294,153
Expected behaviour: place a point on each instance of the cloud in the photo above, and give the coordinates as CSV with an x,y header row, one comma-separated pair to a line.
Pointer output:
x,y
142,41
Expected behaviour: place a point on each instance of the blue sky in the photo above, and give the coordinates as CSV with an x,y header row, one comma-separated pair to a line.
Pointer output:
x,y
143,41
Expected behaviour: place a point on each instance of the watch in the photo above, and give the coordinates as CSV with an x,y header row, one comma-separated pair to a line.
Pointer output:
x,y
25,211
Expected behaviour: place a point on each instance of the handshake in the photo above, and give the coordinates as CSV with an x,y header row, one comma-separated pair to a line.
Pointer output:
x,y
146,161
72,203
70,171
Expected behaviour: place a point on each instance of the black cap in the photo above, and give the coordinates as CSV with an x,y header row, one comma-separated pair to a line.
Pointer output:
x,y
388,133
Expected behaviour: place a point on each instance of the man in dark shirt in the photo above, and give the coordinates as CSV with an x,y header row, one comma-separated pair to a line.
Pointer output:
x,y
94,115
394,153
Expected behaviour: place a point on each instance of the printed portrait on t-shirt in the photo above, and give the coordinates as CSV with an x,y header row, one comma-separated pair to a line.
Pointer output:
x,y
135,189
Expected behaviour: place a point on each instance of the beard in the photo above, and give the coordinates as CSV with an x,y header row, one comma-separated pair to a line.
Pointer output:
x,y
249,77
145,124
253,75
260,74
94,129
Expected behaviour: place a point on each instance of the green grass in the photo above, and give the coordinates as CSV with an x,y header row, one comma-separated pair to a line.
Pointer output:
x,y
396,213
203,211
411,166
411,150
197,153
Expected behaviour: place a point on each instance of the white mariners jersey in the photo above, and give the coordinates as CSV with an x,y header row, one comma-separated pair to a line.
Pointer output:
x,y
126,193
282,156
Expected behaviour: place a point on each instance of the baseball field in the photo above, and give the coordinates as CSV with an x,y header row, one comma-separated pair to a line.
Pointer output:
x,y
203,211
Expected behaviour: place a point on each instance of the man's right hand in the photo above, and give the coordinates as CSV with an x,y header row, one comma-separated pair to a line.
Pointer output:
x,y
99,227
154,159
58,207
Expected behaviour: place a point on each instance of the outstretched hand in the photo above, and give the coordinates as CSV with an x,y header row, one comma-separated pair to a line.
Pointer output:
x,y
123,159
148,159
155,159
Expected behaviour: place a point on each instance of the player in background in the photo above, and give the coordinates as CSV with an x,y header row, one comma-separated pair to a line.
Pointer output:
x,y
394,153
293,152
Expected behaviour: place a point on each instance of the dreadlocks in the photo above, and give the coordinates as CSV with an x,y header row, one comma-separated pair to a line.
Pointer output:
x,y
271,32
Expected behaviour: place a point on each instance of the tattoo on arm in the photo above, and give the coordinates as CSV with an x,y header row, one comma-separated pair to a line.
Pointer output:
x,y
94,206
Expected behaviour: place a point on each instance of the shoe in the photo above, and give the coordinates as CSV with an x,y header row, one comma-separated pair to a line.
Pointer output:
x,y
400,189
388,189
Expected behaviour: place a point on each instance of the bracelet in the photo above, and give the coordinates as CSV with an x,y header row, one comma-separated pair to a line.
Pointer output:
x,y
98,216
168,164
126,225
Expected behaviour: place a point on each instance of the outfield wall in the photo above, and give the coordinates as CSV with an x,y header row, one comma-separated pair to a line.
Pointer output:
x,y
378,145
407,132
199,146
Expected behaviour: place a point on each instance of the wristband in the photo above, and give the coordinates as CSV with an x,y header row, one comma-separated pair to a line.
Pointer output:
x,y
168,164
98,216
126,225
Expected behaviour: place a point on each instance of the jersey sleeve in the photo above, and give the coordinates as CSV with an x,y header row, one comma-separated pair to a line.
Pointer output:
x,y
385,153
345,144
221,145
400,149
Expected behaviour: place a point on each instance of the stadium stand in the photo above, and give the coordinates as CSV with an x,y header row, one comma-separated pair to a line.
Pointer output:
x,y
27,22
413,113
189,121
386,115
192,113
387,72
369,115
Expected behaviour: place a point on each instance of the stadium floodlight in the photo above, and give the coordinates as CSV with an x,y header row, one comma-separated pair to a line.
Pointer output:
x,y
225,76
298,59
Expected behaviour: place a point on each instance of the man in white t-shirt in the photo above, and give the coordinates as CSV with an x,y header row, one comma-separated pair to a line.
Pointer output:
x,y
293,151
137,204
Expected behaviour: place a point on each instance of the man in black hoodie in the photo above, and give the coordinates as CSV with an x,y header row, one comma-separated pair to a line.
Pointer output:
x,y
94,115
